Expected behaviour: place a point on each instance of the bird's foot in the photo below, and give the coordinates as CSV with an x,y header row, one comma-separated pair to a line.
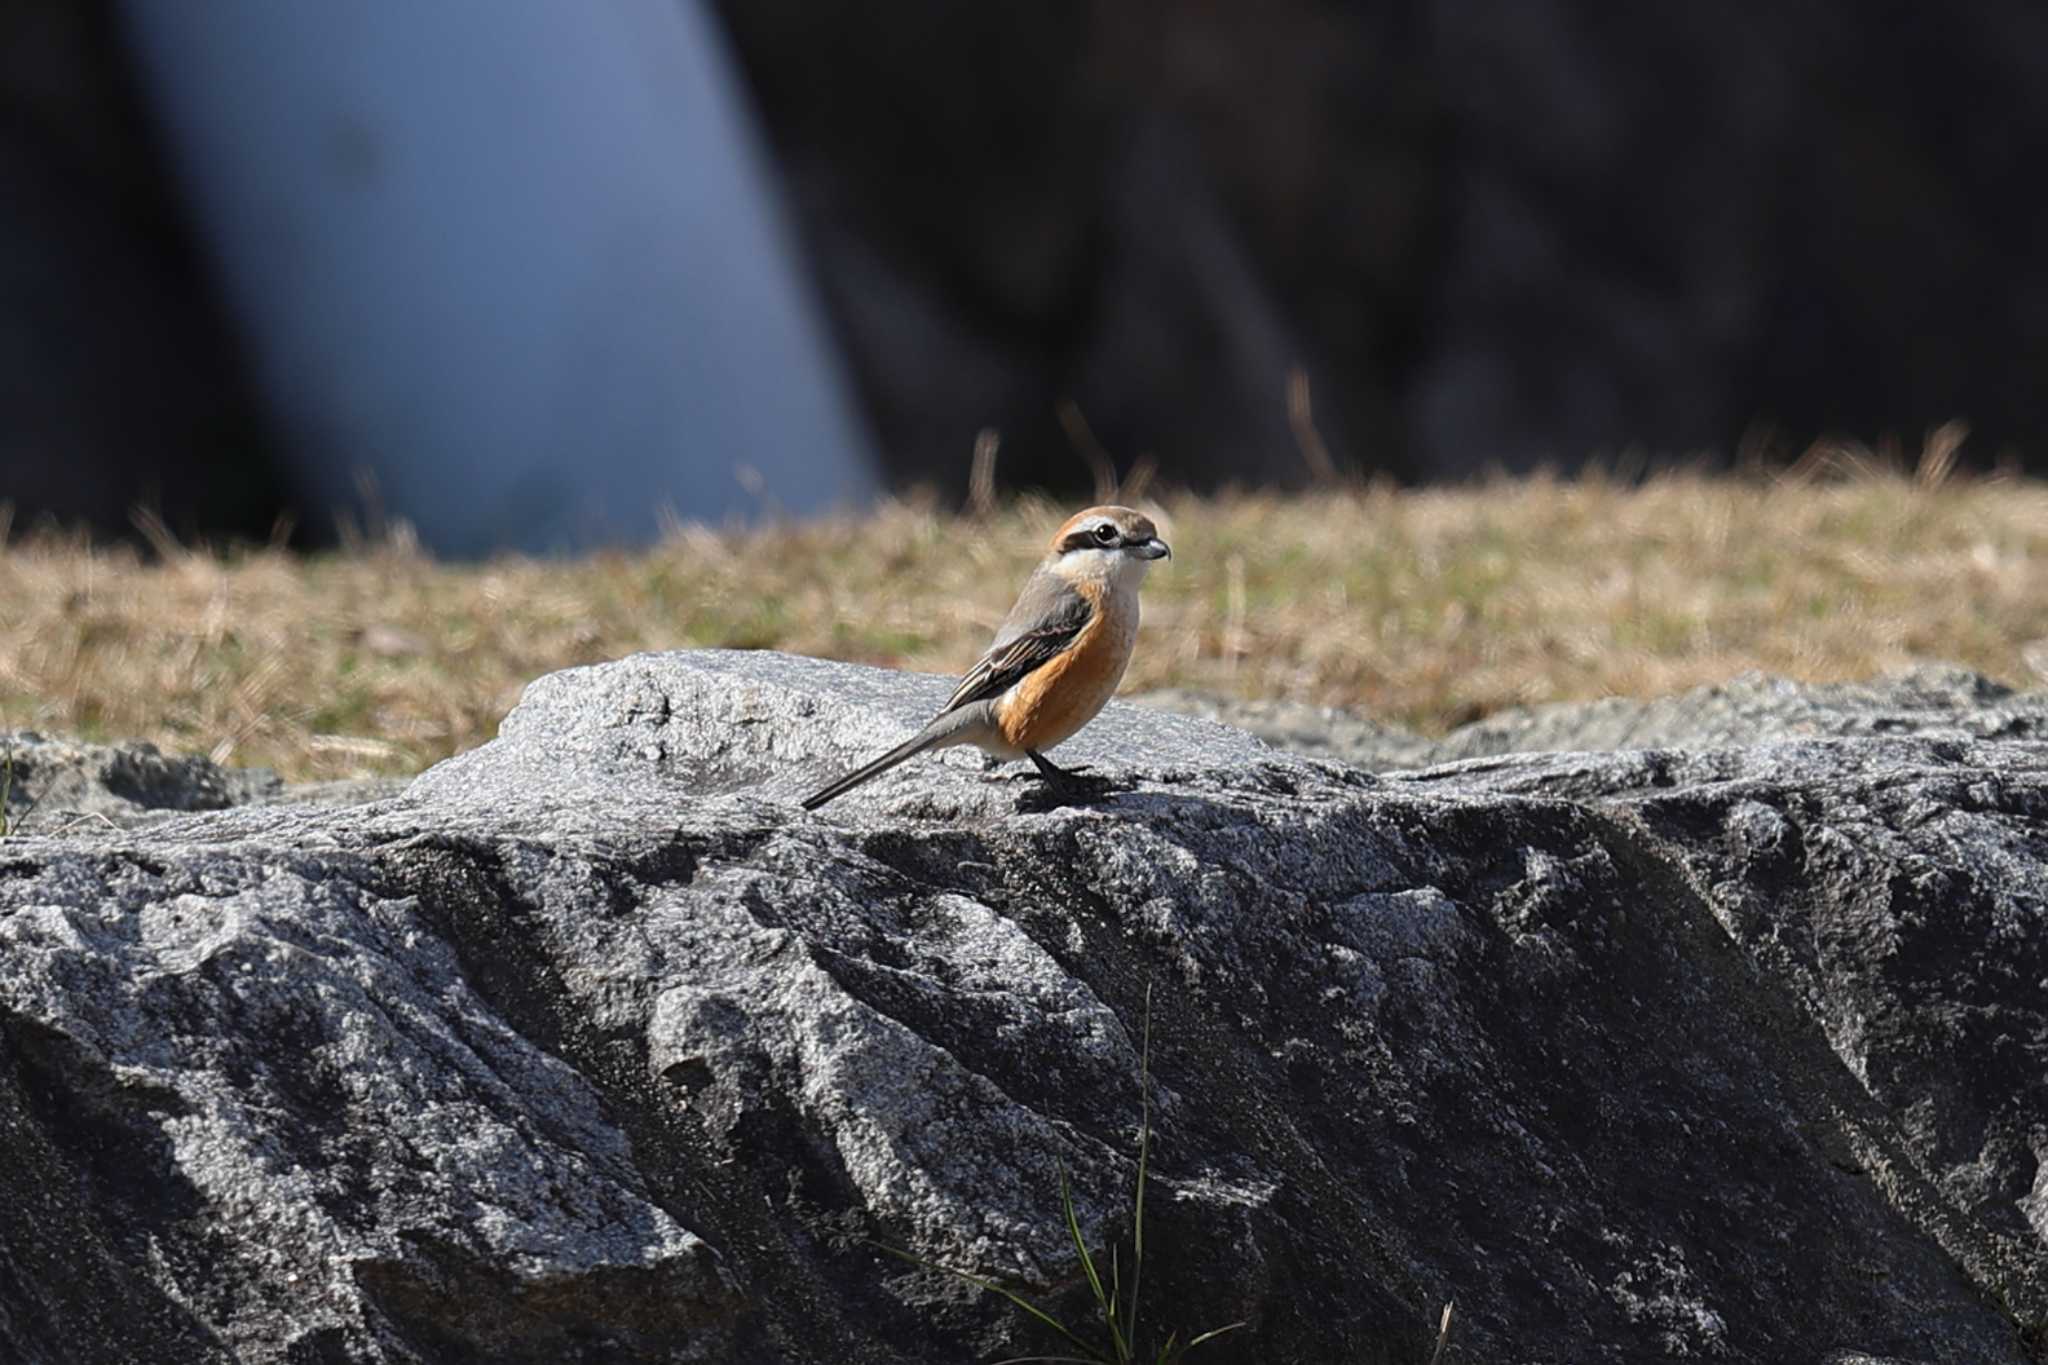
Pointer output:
x,y
1058,786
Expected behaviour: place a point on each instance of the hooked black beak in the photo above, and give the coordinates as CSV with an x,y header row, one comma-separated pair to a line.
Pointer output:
x,y
1154,548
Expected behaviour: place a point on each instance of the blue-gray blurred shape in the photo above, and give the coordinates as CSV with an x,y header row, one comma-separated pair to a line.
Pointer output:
x,y
519,260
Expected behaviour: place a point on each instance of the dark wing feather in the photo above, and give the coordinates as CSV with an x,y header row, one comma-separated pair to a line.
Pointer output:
x,y
1048,616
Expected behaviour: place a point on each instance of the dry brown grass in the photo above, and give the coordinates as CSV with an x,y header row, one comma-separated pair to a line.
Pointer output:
x,y
1424,608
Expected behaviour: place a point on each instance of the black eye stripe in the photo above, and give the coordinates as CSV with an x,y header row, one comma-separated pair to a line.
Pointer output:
x,y
1094,538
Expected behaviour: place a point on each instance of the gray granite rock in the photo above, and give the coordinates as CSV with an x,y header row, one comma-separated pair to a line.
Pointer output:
x,y
1325,732
1934,699
51,782
52,785
592,1046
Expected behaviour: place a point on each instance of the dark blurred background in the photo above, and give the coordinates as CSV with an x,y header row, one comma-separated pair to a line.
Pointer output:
x,y
1478,232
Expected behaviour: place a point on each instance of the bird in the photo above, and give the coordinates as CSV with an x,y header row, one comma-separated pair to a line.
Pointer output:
x,y
1055,660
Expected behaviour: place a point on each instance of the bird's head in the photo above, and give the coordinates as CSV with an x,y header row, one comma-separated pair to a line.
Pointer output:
x,y
1107,540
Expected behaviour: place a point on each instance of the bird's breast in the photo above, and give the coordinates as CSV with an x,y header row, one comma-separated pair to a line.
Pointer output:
x,y
1048,705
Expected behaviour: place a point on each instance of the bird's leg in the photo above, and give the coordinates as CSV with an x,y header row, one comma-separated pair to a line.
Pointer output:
x,y
1053,772
1068,784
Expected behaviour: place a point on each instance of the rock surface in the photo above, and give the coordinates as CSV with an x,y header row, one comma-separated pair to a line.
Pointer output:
x,y
48,784
52,786
1933,700
592,1047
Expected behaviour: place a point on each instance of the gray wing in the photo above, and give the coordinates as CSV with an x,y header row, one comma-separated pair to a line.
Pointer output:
x,y
1049,614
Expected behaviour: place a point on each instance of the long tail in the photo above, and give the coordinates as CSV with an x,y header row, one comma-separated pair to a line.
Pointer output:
x,y
909,749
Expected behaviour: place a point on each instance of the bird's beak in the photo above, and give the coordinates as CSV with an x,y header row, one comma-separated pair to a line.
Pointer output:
x,y
1154,548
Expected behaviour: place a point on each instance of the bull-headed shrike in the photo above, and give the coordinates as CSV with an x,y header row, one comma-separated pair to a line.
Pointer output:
x,y
1057,657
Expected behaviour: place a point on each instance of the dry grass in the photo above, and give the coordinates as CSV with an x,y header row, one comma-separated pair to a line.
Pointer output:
x,y
1424,608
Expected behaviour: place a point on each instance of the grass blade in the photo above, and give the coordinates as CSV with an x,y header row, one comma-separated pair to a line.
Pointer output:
x,y
1116,1282
1144,1155
1212,1334
1443,1335
1106,1305
990,1286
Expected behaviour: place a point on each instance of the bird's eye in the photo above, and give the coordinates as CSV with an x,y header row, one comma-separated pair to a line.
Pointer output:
x,y
1106,533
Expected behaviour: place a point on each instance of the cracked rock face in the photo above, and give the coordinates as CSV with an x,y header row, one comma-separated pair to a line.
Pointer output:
x,y
592,1047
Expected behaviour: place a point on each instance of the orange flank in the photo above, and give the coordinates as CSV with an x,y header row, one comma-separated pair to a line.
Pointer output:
x,y
1049,705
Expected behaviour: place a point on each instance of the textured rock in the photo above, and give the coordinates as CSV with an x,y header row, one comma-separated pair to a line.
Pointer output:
x,y
55,783
1324,732
60,785
591,1046
1933,700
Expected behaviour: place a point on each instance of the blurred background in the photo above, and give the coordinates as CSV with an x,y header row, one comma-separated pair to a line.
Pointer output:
x,y
544,276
